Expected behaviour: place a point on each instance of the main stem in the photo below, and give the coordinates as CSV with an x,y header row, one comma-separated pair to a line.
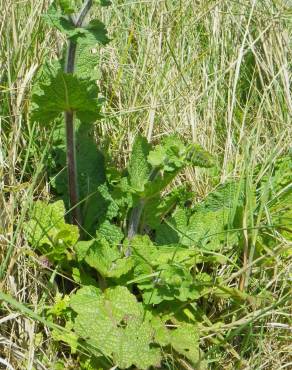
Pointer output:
x,y
69,123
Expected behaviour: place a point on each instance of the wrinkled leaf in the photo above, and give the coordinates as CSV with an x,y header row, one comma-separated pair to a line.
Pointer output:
x,y
112,323
68,93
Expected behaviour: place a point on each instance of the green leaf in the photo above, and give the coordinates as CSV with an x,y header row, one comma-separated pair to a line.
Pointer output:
x,y
185,341
47,227
112,233
94,32
138,168
90,169
228,195
113,324
67,93
102,2
209,230
106,259
169,155
55,18
205,227
173,282
172,155
170,232
159,207
68,6
87,62
197,156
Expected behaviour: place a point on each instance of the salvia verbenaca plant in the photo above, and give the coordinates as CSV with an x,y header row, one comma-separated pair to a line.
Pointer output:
x,y
140,272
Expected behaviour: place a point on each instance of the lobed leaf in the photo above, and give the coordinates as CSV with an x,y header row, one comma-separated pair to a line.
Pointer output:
x,y
67,93
113,324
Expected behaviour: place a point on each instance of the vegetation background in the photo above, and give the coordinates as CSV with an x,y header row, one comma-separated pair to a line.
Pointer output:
x,y
215,72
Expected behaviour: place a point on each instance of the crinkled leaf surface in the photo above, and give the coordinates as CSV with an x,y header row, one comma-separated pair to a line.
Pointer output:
x,y
172,154
139,168
204,228
172,282
112,233
162,272
113,324
103,257
185,340
47,227
209,230
67,92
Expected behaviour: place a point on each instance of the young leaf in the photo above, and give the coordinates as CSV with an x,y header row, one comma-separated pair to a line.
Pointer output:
x,y
138,168
48,231
113,324
106,259
95,32
67,93
68,6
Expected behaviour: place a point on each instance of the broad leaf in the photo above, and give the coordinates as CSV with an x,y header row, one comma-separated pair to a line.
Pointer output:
x,y
112,323
106,259
112,233
185,341
94,32
48,231
67,93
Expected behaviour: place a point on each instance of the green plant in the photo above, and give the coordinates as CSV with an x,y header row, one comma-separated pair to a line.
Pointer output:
x,y
69,93
184,255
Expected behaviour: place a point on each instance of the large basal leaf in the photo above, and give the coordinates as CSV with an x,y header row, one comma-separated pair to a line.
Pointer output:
x,y
67,92
47,227
112,323
208,225
185,341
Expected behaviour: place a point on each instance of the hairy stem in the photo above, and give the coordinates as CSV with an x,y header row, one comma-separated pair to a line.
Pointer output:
x,y
69,123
